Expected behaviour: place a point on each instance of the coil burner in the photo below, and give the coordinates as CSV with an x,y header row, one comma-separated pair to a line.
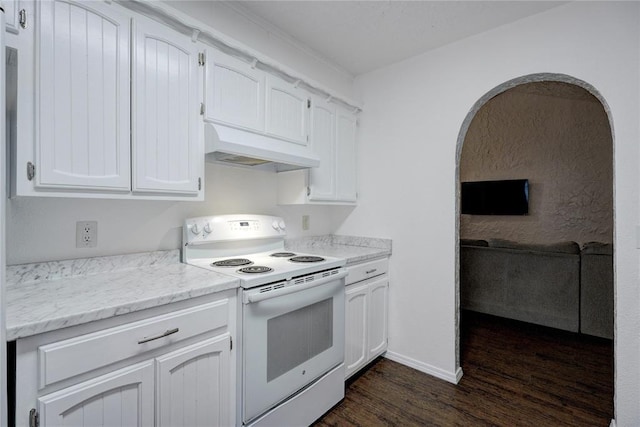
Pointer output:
x,y
306,258
255,269
283,254
232,262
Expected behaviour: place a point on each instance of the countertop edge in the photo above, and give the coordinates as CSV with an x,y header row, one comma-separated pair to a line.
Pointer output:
x,y
39,327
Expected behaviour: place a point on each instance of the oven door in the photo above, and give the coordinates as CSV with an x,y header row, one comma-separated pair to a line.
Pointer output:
x,y
290,339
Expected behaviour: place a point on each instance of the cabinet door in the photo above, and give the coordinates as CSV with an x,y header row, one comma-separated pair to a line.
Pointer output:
x,y
234,92
11,12
168,153
82,96
122,398
287,111
194,385
346,161
322,183
378,302
356,325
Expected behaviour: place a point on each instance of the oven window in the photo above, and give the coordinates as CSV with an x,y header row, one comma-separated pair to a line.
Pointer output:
x,y
297,336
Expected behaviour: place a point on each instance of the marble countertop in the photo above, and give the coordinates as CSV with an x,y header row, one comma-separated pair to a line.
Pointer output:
x,y
53,295
46,296
354,249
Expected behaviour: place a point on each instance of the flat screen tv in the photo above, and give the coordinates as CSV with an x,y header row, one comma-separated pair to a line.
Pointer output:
x,y
506,197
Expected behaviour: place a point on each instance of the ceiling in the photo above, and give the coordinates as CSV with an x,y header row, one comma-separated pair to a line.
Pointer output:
x,y
361,36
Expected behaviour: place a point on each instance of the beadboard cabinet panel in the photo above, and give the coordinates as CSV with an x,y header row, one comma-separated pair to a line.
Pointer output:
x,y
366,314
12,15
356,324
378,312
322,183
287,111
333,139
346,163
83,111
193,385
234,92
168,155
123,398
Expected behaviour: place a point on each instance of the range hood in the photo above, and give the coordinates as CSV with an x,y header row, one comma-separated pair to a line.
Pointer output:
x,y
228,145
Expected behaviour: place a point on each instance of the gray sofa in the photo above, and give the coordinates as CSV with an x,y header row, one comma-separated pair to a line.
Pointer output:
x,y
533,283
596,290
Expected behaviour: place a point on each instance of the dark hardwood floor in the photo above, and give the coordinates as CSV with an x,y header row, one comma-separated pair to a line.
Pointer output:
x,y
515,374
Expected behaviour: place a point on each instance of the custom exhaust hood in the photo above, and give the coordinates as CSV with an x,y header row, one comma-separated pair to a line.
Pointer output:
x,y
228,145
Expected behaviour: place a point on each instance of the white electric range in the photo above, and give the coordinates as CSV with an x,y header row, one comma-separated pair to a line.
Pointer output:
x,y
292,315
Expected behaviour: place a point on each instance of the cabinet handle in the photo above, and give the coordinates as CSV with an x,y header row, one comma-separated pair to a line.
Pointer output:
x,y
157,337
22,18
371,271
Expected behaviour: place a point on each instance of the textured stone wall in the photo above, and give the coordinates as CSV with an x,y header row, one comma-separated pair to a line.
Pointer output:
x,y
557,135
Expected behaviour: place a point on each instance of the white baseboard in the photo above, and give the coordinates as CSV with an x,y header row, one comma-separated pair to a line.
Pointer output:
x,y
452,377
613,423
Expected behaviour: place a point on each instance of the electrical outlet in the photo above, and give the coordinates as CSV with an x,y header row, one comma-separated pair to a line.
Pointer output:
x,y
305,222
86,234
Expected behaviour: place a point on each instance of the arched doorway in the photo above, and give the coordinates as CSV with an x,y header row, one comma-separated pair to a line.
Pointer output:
x,y
524,230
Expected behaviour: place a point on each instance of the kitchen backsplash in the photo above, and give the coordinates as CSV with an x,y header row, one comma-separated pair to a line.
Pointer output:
x,y
53,270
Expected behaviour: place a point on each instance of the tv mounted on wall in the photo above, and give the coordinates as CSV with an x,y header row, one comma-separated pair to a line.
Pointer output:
x,y
505,197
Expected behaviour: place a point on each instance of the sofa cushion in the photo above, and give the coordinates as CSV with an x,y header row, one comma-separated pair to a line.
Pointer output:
x,y
568,247
597,248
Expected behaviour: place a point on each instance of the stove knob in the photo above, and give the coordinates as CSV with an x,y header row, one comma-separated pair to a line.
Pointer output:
x,y
281,225
275,225
207,227
195,229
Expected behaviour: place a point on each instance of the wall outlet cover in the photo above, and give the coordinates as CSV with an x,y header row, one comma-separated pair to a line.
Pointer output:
x,y
305,222
86,234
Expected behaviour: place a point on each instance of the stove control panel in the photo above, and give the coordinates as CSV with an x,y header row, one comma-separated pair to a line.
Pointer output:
x,y
219,228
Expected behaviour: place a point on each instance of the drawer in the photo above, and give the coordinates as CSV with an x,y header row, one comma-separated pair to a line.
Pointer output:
x,y
65,359
367,270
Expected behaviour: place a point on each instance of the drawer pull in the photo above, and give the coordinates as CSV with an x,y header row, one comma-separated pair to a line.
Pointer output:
x,y
371,271
157,337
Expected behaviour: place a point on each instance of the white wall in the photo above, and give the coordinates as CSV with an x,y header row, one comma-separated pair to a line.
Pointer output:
x,y
413,114
43,229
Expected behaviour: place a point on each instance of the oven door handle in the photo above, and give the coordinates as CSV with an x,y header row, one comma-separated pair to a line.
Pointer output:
x,y
257,297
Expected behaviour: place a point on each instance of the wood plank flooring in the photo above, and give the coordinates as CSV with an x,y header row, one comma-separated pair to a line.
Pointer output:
x,y
515,374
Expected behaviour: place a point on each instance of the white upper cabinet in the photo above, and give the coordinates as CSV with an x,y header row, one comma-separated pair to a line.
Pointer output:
x,y
333,139
322,180
82,92
346,162
102,102
14,16
168,154
244,97
234,92
287,111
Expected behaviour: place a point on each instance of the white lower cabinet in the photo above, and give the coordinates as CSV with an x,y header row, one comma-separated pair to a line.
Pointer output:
x,y
356,325
122,398
366,307
193,385
171,367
